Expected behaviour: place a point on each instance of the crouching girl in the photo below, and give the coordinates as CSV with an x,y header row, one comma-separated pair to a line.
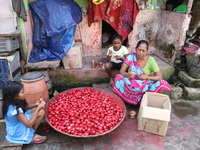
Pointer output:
x,y
21,119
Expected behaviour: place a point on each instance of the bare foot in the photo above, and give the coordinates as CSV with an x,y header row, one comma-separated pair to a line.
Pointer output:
x,y
111,81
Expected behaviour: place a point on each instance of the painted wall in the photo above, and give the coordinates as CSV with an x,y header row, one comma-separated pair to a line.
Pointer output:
x,y
165,31
90,37
8,21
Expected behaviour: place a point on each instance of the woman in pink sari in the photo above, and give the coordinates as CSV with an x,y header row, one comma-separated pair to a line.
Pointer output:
x,y
139,74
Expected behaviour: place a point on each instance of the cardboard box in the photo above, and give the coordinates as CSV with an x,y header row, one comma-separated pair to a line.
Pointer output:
x,y
154,113
73,58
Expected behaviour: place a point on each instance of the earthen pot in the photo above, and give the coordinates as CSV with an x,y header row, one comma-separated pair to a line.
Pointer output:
x,y
34,86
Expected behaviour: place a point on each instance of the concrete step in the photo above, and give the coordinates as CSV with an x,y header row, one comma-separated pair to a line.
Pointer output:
x,y
87,75
166,69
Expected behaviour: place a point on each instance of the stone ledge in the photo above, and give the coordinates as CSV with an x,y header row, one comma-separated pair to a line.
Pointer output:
x,y
176,92
191,93
166,69
86,75
187,80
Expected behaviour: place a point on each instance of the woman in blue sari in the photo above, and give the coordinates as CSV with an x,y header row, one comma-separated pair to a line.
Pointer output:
x,y
139,74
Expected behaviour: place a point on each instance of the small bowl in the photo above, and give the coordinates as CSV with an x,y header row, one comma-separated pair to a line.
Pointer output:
x,y
132,114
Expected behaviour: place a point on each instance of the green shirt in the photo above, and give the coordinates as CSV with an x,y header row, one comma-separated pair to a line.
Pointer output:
x,y
150,67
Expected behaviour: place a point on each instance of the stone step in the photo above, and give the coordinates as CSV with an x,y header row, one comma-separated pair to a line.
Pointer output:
x,y
166,69
188,80
87,75
191,93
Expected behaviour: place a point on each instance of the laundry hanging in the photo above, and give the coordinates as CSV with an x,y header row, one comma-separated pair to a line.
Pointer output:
x,y
120,14
54,28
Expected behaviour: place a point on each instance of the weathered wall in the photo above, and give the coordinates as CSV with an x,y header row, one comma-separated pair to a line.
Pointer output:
x,y
164,30
145,27
171,34
90,37
8,22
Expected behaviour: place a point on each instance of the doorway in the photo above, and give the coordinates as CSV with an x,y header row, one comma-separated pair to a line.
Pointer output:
x,y
107,32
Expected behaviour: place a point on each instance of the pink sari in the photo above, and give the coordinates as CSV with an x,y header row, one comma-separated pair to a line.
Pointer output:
x,y
131,90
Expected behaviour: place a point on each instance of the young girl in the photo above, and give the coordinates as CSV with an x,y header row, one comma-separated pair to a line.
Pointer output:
x,y
115,56
21,120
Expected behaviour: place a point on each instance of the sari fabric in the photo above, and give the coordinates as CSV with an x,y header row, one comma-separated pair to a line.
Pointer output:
x,y
120,14
131,90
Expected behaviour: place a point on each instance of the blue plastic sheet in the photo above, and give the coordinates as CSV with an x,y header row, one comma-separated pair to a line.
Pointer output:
x,y
54,28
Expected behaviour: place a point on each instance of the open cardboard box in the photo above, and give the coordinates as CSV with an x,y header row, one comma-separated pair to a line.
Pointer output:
x,y
154,113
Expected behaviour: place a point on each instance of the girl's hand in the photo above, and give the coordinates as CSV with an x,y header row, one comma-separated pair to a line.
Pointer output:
x,y
41,105
131,74
144,77
38,103
120,58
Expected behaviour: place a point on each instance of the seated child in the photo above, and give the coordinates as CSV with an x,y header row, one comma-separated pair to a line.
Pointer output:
x,y
21,120
115,56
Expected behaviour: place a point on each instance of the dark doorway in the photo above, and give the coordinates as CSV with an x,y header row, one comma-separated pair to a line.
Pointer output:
x,y
107,33
172,4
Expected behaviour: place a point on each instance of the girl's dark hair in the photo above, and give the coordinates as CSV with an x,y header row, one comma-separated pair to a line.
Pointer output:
x,y
10,91
143,42
116,36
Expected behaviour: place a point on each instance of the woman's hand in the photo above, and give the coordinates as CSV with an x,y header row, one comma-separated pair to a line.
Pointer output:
x,y
131,74
144,77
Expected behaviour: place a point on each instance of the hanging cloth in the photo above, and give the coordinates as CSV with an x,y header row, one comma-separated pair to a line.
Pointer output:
x,y
97,1
19,8
120,14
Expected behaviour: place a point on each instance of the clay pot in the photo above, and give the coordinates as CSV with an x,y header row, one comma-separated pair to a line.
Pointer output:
x,y
34,86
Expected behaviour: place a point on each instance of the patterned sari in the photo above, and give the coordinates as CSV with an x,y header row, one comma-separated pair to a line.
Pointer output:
x,y
131,90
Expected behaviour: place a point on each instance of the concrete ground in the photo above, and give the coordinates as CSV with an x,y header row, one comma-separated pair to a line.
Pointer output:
x,y
183,133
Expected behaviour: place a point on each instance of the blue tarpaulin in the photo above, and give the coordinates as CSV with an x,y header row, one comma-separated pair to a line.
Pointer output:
x,y
54,28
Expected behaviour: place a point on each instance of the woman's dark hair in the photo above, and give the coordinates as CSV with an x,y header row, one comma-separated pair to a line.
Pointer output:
x,y
116,36
143,42
10,91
